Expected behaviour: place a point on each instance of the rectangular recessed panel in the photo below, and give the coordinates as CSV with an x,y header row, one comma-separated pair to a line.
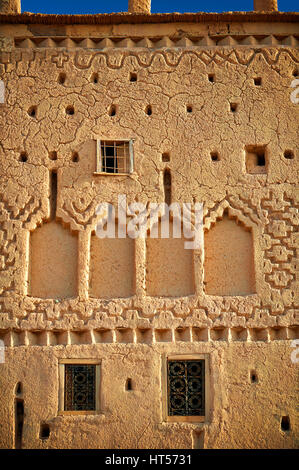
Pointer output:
x,y
186,385
79,387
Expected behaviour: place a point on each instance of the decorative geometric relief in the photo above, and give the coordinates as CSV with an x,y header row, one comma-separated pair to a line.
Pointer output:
x,y
84,59
280,230
8,247
186,385
80,387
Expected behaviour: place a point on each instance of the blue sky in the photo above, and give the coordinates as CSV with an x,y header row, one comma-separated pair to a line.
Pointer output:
x,y
158,6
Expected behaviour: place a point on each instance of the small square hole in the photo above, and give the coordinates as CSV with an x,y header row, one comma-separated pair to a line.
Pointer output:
x,y
211,77
149,110
75,157
95,78
133,77
70,110
233,107
257,81
215,157
256,159
53,155
261,160
189,109
23,157
32,111
288,154
165,157
112,110
44,431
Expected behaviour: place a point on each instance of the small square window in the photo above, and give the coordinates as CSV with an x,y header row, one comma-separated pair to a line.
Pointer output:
x,y
79,387
186,387
256,159
115,157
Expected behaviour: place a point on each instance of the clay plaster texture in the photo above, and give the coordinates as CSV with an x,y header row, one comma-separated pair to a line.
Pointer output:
x,y
218,87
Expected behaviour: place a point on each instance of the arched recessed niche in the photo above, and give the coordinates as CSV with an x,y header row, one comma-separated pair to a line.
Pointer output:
x,y
112,267
53,269
229,259
169,266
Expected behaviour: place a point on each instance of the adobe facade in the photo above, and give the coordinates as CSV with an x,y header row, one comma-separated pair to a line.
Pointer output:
x,y
186,108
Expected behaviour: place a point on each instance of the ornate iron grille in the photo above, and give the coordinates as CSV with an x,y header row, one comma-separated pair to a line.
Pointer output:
x,y
186,386
79,387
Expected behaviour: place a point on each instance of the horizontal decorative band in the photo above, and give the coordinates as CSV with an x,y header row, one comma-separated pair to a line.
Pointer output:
x,y
15,338
157,42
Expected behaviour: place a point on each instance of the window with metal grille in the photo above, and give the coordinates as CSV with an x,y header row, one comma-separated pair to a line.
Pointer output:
x,y
115,156
80,387
186,387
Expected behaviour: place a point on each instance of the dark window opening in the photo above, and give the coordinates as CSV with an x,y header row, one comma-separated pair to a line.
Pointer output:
x,y
288,154
19,389
133,77
165,157
70,110
53,155
61,78
149,110
255,159
23,157
53,194
112,110
257,81
80,387
233,107
285,423
19,422
116,157
75,157
129,386
186,388
167,186
95,78
189,109
253,376
215,156
261,160
211,77
44,431
32,111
